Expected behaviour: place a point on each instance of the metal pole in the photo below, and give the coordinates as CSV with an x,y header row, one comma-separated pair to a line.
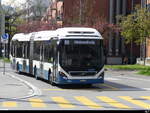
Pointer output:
x,y
4,60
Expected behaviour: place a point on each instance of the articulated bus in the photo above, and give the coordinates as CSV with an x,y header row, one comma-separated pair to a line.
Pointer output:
x,y
70,55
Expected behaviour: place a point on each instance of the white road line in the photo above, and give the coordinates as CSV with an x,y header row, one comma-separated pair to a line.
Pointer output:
x,y
2,74
36,91
134,89
110,78
147,89
3,109
131,78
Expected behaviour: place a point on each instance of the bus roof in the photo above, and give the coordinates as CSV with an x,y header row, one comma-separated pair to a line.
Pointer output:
x,y
41,35
78,32
61,33
44,35
21,37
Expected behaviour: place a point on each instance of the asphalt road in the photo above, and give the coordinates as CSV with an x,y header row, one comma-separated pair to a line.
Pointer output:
x,y
122,90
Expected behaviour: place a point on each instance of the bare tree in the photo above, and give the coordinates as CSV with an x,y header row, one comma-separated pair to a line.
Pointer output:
x,y
35,9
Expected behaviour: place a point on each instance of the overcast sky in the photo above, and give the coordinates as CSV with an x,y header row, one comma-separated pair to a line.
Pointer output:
x,y
12,2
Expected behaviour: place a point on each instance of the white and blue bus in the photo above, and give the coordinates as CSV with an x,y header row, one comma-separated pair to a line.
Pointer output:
x,y
70,55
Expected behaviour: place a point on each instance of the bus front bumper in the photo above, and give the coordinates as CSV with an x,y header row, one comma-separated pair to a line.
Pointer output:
x,y
62,80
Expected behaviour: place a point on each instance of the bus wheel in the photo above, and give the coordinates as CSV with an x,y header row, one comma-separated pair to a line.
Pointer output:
x,y
35,73
89,85
18,68
49,74
50,80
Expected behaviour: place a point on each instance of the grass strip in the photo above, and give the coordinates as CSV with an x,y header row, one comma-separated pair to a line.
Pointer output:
x,y
5,59
142,70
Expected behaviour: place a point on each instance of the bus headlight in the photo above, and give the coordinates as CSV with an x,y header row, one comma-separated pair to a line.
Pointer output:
x,y
63,75
101,75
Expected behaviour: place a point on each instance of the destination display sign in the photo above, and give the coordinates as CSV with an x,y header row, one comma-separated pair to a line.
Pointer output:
x,y
80,42
84,42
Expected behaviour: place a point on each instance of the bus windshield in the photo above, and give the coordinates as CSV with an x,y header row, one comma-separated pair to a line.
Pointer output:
x,y
81,53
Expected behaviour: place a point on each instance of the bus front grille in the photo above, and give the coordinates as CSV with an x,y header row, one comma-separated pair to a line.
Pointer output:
x,y
82,73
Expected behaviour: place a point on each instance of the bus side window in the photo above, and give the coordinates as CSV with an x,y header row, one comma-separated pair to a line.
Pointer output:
x,y
12,49
48,53
36,51
27,50
15,50
19,50
23,50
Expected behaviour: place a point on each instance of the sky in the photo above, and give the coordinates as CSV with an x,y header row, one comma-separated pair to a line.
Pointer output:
x,y
12,3
17,3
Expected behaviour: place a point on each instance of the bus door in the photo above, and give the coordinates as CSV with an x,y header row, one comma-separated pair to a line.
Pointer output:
x,y
55,60
31,53
13,55
24,54
41,61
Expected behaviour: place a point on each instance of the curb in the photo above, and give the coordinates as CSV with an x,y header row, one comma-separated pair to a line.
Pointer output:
x,y
35,91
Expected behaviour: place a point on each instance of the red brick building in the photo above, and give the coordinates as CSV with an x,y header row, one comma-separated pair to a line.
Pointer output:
x,y
54,13
89,11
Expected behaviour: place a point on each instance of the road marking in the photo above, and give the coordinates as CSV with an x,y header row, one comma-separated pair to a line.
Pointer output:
x,y
110,78
131,78
146,97
113,102
109,86
54,89
135,89
2,74
62,102
136,102
9,104
3,109
38,103
87,102
147,89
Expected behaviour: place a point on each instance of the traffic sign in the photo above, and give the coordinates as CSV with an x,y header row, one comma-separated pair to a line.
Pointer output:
x,y
4,38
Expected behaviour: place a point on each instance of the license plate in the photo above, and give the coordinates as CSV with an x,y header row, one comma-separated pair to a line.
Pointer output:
x,y
82,80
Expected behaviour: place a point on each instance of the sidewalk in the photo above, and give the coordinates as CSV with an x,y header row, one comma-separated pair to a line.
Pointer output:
x,y
10,87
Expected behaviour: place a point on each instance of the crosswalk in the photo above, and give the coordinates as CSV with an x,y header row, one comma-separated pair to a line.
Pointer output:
x,y
75,102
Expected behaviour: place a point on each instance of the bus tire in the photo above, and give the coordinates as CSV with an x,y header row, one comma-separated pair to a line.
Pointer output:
x,y
51,81
35,73
89,85
49,74
18,71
